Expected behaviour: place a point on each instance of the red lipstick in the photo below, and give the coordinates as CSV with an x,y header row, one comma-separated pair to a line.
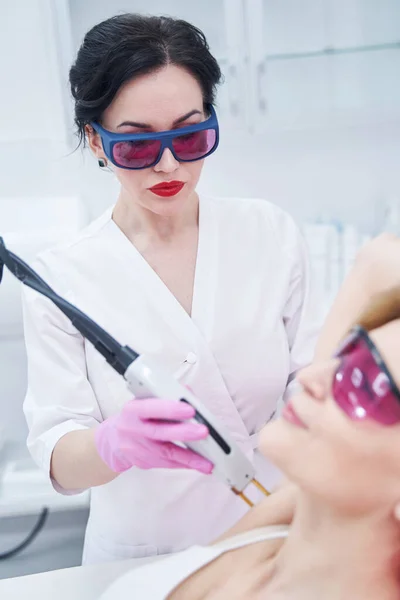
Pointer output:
x,y
167,188
289,414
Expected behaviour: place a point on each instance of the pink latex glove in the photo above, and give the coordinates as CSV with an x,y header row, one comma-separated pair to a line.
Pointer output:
x,y
141,436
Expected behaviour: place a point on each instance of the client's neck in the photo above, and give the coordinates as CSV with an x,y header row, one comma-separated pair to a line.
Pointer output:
x,y
331,556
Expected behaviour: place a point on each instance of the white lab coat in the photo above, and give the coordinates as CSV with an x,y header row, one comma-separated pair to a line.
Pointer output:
x,y
251,329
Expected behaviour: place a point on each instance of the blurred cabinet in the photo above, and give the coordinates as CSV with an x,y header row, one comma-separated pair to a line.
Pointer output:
x,y
286,63
319,62
353,23
32,96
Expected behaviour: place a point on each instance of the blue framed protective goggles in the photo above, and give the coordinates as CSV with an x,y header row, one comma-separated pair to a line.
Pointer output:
x,y
143,150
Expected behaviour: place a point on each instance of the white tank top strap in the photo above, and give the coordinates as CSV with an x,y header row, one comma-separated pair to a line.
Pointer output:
x,y
263,534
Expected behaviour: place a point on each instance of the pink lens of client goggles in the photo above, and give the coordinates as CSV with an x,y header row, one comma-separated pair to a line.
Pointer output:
x,y
363,386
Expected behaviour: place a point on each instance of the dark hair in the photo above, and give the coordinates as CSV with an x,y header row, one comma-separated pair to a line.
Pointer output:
x,y
128,45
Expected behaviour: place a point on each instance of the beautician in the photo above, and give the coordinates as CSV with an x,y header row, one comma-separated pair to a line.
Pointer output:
x,y
216,289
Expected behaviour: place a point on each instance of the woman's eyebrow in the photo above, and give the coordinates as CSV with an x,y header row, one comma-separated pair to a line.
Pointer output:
x,y
147,126
189,114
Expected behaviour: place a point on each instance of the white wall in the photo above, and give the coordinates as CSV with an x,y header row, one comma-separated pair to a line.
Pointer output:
x,y
338,174
31,105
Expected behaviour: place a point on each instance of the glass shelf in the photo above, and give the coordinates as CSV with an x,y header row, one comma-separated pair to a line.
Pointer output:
x,y
330,51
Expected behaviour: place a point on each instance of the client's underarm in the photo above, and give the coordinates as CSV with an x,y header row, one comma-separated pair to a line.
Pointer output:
x,y
277,509
350,302
376,269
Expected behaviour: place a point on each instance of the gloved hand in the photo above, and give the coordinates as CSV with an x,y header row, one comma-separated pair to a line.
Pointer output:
x,y
141,436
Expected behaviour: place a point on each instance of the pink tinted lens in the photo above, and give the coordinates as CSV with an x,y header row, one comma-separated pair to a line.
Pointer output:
x,y
362,389
193,146
136,155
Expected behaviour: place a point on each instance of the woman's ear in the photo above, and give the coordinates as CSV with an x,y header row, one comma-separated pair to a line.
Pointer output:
x,y
94,141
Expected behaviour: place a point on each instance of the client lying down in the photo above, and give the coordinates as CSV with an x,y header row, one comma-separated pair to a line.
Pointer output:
x,y
338,443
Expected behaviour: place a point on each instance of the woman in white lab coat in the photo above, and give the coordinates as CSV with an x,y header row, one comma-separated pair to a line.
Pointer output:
x,y
216,289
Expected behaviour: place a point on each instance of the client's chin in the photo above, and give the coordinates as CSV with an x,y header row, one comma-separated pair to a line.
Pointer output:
x,y
279,440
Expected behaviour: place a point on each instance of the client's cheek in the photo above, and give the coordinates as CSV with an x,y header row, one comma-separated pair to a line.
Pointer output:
x,y
267,439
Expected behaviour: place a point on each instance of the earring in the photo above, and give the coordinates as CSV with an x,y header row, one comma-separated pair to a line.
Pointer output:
x,y
102,163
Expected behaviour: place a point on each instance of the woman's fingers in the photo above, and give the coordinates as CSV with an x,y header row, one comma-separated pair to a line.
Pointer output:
x,y
173,432
160,408
177,457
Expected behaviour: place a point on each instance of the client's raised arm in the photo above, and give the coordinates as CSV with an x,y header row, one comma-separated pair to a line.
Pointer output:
x,y
375,269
